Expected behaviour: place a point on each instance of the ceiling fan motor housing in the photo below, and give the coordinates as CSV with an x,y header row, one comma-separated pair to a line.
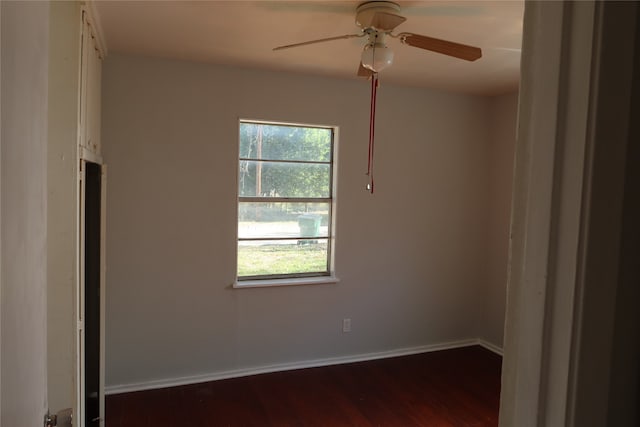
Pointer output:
x,y
366,11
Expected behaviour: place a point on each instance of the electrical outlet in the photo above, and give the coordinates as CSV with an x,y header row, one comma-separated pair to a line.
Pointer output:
x,y
346,325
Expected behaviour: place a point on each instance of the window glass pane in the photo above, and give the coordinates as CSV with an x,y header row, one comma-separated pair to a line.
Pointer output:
x,y
268,179
281,257
260,220
281,239
278,142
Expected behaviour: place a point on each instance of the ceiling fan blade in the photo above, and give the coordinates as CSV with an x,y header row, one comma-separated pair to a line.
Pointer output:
x,y
328,39
457,50
385,21
364,72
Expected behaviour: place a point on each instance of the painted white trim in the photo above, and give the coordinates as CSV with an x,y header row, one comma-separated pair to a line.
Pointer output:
x,y
90,156
103,291
491,347
214,376
94,19
79,315
320,280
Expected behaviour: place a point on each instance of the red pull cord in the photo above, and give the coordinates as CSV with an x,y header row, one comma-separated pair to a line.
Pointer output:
x,y
372,129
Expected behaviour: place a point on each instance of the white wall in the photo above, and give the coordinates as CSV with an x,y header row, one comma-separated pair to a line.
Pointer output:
x,y
62,212
410,258
501,156
25,27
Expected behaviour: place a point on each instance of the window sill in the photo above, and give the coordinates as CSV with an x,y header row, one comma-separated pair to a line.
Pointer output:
x,y
322,280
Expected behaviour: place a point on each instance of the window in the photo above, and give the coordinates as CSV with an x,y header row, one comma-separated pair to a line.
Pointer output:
x,y
285,201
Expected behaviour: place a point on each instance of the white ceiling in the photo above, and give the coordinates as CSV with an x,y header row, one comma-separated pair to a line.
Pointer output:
x,y
244,33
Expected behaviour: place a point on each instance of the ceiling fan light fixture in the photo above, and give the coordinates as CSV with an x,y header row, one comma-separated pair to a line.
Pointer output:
x,y
376,57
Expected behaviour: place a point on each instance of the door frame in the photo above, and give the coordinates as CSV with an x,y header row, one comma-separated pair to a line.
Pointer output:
x,y
568,204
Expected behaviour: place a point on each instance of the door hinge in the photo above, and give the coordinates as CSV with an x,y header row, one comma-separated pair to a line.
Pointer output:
x,y
63,418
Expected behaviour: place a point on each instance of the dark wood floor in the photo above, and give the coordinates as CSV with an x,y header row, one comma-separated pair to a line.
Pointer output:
x,y
453,388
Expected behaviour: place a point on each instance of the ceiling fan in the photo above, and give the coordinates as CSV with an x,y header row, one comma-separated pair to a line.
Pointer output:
x,y
377,20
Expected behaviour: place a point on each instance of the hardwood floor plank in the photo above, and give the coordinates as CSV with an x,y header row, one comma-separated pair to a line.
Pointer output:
x,y
451,388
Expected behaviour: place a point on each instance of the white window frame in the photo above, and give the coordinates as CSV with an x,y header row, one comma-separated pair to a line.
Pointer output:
x,y
324,277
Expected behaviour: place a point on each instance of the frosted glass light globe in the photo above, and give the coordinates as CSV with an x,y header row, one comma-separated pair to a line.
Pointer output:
x,y
376,57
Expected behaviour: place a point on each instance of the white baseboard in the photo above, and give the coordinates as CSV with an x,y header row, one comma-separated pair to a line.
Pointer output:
x,y
214,376
491,347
